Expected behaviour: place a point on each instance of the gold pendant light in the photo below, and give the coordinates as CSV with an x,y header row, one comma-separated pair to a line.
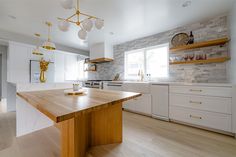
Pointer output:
x,y
48,44
36,51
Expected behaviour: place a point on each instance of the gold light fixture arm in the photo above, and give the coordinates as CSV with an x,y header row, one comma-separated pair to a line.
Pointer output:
x,y
71,16
66,20
90,16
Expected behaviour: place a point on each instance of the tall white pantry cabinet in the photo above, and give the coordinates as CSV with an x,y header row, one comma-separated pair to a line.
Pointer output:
x,y
18,62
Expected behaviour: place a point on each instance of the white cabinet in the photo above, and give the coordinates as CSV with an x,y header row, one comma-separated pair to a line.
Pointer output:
x,y
71,67
66,66
18,61
59,67
207,107
206,119
160,101
140,104
112,86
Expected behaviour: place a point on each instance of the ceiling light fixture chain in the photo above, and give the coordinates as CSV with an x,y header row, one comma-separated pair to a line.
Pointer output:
x,y
85,24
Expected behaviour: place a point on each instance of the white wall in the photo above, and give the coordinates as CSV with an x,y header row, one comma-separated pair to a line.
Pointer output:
x,y
0,76
233,61
232,44
3,50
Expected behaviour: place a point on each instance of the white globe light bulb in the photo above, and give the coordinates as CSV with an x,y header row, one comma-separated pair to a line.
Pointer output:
x,y
87,25
67,4
64,25
82,34
99,24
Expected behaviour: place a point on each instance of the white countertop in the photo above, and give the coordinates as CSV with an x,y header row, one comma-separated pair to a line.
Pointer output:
x,y
178,83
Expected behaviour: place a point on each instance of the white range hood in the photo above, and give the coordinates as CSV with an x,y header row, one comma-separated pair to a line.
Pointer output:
x,y
101,52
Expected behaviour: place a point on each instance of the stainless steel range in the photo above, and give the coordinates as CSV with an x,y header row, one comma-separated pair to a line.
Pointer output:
x,y
94,83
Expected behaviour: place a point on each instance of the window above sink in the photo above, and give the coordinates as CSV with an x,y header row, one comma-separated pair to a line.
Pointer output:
x,y
153,61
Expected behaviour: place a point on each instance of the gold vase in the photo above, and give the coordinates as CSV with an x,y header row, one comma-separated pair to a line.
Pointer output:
x,y
42,77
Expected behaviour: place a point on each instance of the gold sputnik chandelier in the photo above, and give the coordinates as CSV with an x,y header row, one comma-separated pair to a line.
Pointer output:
x,y
84,21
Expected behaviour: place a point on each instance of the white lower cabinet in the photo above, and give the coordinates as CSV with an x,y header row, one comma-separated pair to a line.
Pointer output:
x,y
113,86
160,101
141,104
209,107
207,119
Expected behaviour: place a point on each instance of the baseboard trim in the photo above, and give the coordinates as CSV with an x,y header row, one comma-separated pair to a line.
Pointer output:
x,y
203,128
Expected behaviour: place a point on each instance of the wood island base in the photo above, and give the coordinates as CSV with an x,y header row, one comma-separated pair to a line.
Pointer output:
x,y
87,129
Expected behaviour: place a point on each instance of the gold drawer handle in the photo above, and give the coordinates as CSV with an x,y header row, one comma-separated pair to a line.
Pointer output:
x,y
195,117
195,90
195,102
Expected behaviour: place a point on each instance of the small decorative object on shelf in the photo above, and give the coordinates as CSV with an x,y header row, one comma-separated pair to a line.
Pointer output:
x,y
191,38
86,60
202,44
88,66
180,39
202,60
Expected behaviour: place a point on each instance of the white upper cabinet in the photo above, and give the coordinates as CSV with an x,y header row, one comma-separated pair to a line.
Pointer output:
x,y
101,52
59,67
18,61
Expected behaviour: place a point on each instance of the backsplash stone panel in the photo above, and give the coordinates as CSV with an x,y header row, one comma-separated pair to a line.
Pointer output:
x,y
207,30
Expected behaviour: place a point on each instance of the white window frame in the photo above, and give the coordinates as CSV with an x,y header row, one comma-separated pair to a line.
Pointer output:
x,y
145,61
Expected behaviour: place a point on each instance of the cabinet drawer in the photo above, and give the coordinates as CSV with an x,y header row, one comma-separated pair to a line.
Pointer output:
x,y
201,90
202,118
137,87
207,103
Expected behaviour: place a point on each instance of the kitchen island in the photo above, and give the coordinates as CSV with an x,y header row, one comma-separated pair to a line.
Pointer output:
x,y
90,119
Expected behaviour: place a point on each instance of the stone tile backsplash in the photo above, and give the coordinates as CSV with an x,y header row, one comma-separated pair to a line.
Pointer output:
x,y
207,30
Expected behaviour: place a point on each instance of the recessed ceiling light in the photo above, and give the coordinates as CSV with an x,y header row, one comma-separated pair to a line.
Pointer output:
x,y
186,4
11,17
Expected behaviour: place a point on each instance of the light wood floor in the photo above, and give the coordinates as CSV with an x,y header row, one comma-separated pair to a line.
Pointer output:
x,y
143,137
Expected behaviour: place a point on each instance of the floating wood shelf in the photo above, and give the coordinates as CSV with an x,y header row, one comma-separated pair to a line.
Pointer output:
x,y
200,44
214,60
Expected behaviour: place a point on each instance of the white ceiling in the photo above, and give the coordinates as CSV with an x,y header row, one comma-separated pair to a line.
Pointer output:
x,y
128,19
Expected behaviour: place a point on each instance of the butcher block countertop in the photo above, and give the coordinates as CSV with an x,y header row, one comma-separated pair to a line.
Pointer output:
x,y
60,107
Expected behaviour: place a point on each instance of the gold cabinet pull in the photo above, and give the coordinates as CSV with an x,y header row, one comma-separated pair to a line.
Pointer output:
x,y
195,102
195,117
195,90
